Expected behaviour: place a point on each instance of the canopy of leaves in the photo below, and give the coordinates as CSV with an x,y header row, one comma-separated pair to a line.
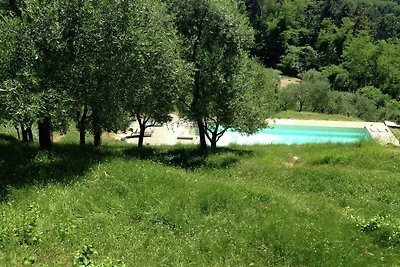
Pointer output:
x,y
256,96
154,74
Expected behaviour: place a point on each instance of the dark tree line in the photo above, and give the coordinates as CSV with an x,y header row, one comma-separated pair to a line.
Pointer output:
x,y
355,44
299,35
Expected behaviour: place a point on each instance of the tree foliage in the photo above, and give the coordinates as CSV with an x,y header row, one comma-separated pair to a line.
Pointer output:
x,y
154,74
216,38
311,94
257,94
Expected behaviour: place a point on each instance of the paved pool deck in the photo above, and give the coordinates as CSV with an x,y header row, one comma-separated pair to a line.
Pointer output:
x,y
178,130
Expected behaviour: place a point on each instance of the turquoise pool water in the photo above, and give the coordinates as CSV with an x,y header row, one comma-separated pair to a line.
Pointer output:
x,y
291,134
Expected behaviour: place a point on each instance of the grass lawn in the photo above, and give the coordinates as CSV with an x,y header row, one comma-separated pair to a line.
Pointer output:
x,y
396,132
337,205
313,116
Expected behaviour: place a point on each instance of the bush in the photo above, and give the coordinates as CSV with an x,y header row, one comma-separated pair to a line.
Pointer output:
x,y
339,78
311,94
299,59
375,95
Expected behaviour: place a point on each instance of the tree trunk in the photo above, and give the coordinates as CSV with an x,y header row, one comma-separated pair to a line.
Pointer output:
x,y
81,122
82,136
214,142
214,138
141,135
97,138
96,130
301,106
30,134
45,136
17,129
24,134
195,107
202,135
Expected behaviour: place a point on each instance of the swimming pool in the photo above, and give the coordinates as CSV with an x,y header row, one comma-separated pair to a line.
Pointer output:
x,y
294,134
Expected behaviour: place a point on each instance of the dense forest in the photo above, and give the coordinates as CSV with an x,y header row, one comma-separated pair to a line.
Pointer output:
x,y
102,63
354,44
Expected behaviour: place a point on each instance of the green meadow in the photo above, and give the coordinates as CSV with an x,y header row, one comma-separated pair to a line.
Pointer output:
x,y
336,205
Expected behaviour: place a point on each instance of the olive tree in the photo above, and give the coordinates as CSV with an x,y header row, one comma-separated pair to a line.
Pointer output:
x,y
19,102
8,43
216,36
92,47
317,87
151,69
311,94
35,77
252,99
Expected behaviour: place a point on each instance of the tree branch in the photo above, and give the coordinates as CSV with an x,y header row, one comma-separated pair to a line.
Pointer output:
x,y
214,120
184,102
139,119
207,128
220,134
207,131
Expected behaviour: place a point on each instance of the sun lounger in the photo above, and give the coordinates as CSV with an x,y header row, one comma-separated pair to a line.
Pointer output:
x,y
374,129
185,138
391,124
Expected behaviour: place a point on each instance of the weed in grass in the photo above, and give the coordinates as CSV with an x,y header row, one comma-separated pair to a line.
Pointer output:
x,y
4,230
384,229
27,232
65,229
20,229
31,260
84,258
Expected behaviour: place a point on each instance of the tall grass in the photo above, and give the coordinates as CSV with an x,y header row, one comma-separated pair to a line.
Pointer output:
x,y
338,204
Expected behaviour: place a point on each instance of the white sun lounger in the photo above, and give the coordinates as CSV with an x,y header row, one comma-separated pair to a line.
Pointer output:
x,y
391,124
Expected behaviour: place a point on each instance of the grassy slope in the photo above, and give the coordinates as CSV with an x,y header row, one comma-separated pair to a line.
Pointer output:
x,y
396,132
171,206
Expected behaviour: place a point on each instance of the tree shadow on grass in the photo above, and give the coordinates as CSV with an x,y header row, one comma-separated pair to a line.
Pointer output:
x,y
24,164
189,158
8,138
